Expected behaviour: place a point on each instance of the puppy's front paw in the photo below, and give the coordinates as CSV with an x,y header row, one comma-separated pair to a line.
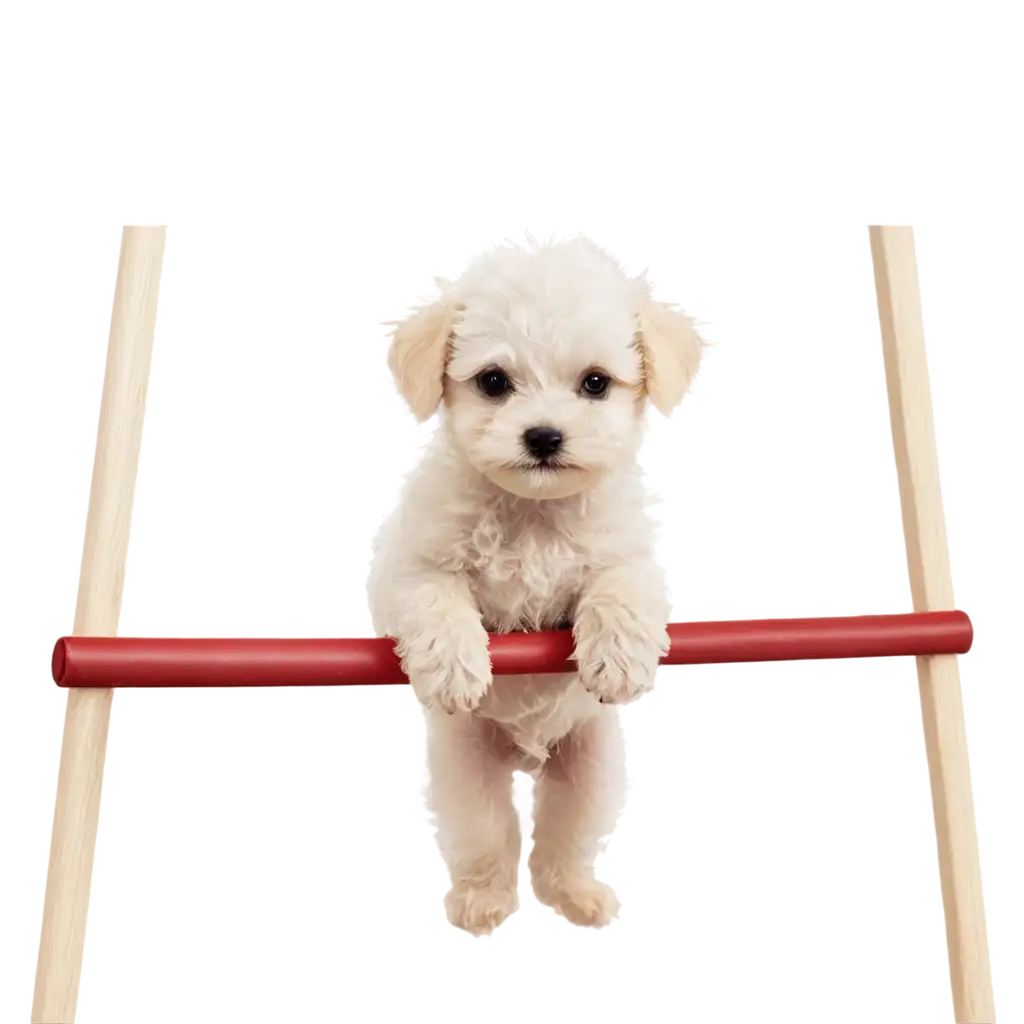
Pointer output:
x,y
449,668
617,654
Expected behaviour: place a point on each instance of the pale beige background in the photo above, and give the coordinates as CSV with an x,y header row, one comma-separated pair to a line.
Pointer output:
x,y
279,116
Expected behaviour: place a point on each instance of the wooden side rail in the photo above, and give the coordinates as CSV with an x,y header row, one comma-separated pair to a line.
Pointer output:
x,y
931,586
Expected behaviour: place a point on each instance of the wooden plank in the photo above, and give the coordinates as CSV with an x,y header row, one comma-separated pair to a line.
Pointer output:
x,y
924,515
100,586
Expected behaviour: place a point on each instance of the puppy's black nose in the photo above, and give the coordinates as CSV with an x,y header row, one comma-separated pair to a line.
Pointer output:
x,y
543,441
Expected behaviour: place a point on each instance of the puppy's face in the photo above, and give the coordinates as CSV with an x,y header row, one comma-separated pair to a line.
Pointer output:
x,y
542,359
543,382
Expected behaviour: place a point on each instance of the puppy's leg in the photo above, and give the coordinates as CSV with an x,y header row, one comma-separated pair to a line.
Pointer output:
x,y
620,631
577,800
470,796
440,637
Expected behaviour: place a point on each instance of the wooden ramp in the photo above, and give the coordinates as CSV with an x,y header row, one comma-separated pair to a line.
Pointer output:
x,y
262,860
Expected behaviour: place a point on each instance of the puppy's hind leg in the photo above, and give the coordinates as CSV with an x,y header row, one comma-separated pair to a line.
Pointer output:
x,y
470,797
577,800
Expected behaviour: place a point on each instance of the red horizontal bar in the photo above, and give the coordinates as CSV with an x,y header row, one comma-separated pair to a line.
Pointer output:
x,y
85,661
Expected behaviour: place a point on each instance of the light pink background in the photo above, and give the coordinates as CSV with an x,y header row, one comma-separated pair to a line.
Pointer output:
x,y
109,117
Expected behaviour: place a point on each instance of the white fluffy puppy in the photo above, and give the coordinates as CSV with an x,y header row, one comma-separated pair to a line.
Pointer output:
x,y
528,513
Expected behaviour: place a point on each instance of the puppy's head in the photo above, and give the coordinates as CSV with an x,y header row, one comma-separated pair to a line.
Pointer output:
x,y
544,358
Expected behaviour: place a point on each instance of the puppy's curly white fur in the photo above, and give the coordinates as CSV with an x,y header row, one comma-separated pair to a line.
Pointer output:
x,y
527,513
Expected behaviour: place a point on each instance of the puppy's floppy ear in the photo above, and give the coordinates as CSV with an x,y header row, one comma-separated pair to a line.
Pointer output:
x,y
670,348
419,351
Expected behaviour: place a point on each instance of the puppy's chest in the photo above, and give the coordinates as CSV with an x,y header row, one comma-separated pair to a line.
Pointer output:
x,y
526,578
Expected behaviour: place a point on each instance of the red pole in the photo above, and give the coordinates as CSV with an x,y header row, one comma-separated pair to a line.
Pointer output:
x,y
286,660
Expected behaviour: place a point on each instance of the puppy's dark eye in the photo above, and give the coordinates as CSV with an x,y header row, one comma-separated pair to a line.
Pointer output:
x,y
595,384
494,383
